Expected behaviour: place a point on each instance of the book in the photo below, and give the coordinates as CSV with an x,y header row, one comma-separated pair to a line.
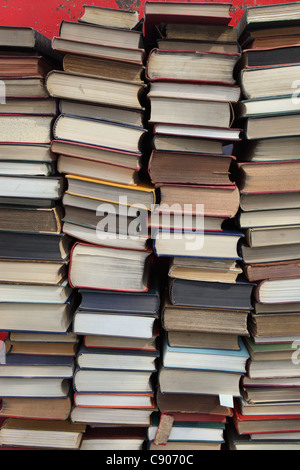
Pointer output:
x,y
113,438
279,77
211,320
33,271
268,254
26,168
115,400
21,387
211,294
196,339
269,220
276,270
185,144
31,187
199,269
272,126
34,293
271,324
189,168
123,302
67,46
110,17
224,134
104,91
31,408
110,416
41,433
269,56
23,365
190,112
31,106
197,91
188,432
115,359
197,66
198,382
36,317
121,342
97,154
25,88
47,348
89,380
31,219
104,67
194,45
114,324
266,107
205,358
265,201
35,129
85,262
101,133
207,405
27,245
218,201
264,424
137,196
277,148
278,290
26,152
22,66
102,35
281,175
202,244
275,235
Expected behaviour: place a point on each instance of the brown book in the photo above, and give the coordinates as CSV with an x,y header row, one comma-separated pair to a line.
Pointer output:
x,y
204,320
202,340
275,41
22,66
105,68
31,219
190,403
41,348
189,168
218,201
42,408
279,270
276,324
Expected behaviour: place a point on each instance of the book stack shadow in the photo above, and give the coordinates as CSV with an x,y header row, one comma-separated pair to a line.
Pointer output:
x,y
267,415
207,299
36,304
100,138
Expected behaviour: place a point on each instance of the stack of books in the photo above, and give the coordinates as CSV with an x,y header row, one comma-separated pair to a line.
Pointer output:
x,y
270,209
207,300
36,304
100,138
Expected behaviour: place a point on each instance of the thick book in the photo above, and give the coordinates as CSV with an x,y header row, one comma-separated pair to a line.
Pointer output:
x,y
266,127
112,91
22,66
211,294
26,128
34,293
276,270
200,244
31,187
26,152
34,246
99,267
197,32
104,67
114,438
40,387
191,66
44,408
115,400
110,17
278,291
190,168
271,220
26,87
97,34
91,380
269,56
21,219
30,106
100,133
33,271
204,320
269,254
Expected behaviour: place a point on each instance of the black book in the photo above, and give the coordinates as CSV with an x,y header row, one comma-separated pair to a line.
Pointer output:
x,y
34,246
211,294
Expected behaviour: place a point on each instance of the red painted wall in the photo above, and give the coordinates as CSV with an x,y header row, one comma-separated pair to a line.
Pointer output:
x,y
46,16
